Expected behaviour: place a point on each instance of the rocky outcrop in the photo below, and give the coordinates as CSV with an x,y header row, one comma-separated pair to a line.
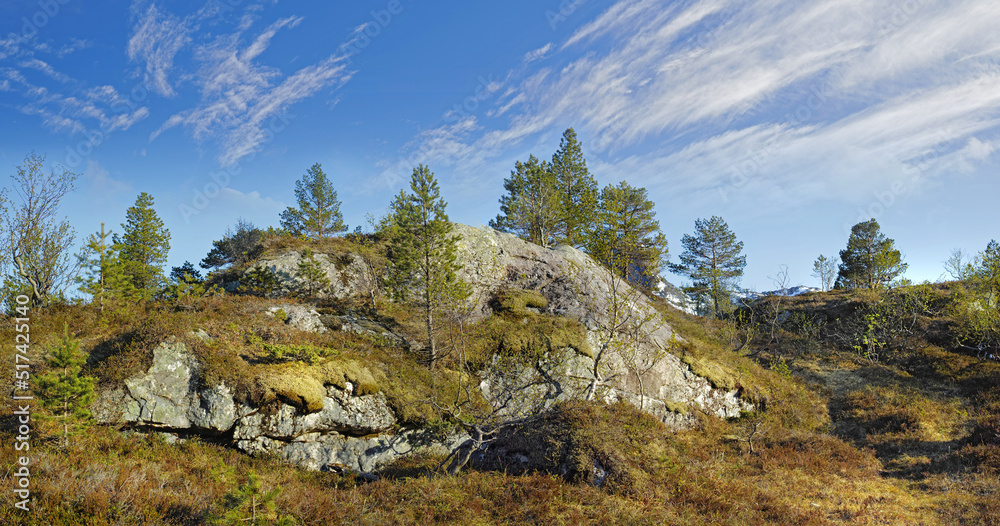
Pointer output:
x,y
342,414
299,317
625,332
356,433
364,327
638,366
351,432
167,396
628,354
348,274
523,389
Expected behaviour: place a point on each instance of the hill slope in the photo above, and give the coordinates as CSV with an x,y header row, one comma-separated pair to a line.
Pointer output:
x,y
837,437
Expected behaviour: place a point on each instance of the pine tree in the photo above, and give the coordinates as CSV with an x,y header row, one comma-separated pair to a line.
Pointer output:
x,y
626,236
144,246
870,260
259,280
577,191
825,269
989,268
63,391
532,207
713,261
248,504
423,252
187,288
103,270
185,273
237,247
318,213
313,277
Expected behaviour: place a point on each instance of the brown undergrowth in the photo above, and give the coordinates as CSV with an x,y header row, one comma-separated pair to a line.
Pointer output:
x,y
913,438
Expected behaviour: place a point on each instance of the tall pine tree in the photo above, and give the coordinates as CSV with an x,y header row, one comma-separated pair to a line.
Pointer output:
x,y
626,235
577,192
532,207
144,246
103,274
318,213
423,253
870,260
712,259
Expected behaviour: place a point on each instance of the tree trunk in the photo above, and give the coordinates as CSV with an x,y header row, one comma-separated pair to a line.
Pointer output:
x,y
428,308
642,391
464,452
36,294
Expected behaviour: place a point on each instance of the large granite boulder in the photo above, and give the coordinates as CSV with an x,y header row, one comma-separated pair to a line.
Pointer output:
x,y
167,396
626,334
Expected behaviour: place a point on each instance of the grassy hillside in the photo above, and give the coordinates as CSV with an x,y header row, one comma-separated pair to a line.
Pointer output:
x,y
911,436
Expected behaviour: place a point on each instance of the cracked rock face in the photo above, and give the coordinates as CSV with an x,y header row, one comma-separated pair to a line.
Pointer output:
x,y
577,287
361,454
566,375
167,395
350,432
342,414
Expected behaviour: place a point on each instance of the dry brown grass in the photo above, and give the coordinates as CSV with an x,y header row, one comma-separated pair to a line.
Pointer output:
x,y
914,439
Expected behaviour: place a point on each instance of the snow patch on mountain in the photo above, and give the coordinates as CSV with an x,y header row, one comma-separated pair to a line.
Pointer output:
x,y
676,297
790,291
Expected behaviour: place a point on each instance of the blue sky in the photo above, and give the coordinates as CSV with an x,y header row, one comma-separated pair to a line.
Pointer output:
x,y
791,120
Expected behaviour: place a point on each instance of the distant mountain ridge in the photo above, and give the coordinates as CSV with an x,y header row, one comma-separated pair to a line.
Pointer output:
x,y
797,290
684,302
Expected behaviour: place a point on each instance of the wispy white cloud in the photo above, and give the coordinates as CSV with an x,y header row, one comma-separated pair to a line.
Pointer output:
x,y
45,68
243,101
156,39
765,92
74,45
94,110
538,54
978,150
249,203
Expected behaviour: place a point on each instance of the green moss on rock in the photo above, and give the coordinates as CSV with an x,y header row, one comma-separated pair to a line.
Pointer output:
x,y
517,302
